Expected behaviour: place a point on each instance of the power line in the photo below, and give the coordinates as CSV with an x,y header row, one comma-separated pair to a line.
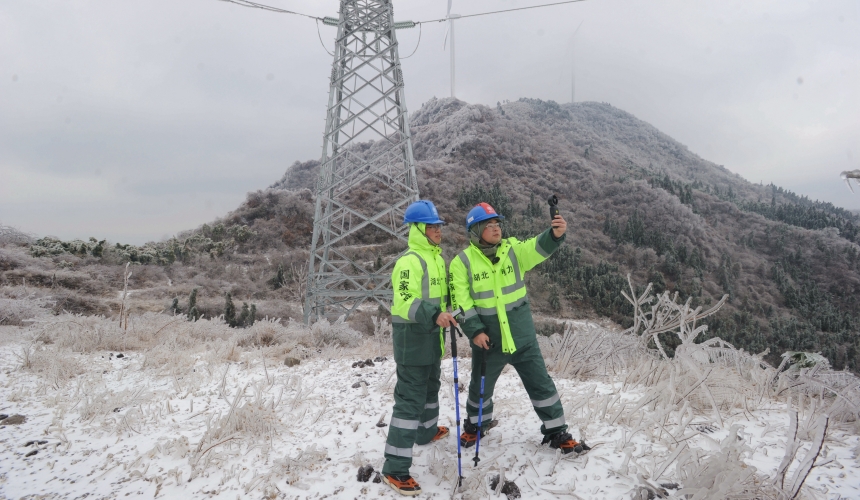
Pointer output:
x,y
255,5
416,45
320,37
501,11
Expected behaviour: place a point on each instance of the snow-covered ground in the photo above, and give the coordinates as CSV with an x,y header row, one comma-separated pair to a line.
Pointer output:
x,y
255,428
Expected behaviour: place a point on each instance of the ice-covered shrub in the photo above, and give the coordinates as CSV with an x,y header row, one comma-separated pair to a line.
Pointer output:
x,y
588,351
338,333
19,304
9,234
723,474
54,366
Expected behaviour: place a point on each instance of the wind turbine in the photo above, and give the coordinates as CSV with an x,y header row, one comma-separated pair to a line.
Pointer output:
x,y
451,18
573,64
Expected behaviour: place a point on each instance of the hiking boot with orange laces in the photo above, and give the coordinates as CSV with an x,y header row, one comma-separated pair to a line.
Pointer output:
x,y
564,441
441,433
404,485
470,432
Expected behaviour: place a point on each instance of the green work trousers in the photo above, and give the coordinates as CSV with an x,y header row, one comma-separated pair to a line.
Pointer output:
x,y
529,364
415,415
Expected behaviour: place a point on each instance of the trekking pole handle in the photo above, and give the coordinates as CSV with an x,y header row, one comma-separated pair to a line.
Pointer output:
x,y
458,315
483,366
453,342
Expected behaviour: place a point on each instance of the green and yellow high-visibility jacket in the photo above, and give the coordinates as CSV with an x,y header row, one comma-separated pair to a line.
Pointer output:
x,y
493,297
420,295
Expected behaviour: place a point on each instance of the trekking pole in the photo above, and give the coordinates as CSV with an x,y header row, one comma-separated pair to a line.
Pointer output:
x,y
481,406
457,400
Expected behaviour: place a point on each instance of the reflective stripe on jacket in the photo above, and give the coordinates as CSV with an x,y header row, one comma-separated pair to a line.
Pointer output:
x,y
420,295
493,295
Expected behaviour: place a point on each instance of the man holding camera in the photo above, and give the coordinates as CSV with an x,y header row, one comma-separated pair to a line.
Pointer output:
x,y
487,285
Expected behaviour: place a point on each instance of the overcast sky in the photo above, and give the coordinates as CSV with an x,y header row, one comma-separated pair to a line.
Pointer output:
x,y
134,120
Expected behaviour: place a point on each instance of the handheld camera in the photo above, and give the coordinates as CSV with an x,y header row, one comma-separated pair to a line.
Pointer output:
x,y
553,207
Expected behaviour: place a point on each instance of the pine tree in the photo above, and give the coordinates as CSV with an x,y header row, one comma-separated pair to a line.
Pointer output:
x,y
278,280
244,316
193,313
657,280
533,209
229,310
554,300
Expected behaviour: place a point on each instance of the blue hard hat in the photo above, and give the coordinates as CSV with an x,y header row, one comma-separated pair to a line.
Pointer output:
x,y
481,212
422,211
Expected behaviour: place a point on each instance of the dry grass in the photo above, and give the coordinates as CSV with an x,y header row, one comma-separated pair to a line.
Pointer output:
x,y
711,380
705,385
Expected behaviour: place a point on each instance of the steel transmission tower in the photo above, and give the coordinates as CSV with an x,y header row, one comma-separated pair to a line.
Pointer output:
x,y
366,157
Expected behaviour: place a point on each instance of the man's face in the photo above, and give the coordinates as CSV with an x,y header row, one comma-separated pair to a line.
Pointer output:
x,y
492,232
434,232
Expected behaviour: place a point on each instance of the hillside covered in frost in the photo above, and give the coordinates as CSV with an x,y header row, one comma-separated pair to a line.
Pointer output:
x,y
637,202
173,369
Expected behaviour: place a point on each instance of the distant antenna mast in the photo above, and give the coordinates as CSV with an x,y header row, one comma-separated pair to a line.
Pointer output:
x,y
366,104
573,64
451,18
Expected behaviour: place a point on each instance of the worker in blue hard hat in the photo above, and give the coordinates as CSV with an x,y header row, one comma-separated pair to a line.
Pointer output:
x,y
418,316
487,286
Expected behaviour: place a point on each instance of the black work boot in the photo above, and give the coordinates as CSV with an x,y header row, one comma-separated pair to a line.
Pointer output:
x,y
564,441
470,432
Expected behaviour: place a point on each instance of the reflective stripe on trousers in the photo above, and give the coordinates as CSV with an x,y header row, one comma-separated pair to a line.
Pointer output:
x,y
404,424
556,422
399,452
487,402
546,402
484,418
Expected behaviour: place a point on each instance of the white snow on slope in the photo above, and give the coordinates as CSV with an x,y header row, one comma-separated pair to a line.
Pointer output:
x,y
301,432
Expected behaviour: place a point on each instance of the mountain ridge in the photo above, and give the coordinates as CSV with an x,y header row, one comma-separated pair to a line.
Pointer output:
x,y
641,201
637,202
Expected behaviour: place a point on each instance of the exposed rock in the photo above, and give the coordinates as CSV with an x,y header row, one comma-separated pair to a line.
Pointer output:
x,y
13,420
377,478
292,361
364,473
510,489
358,384
31,453
380,359
362,364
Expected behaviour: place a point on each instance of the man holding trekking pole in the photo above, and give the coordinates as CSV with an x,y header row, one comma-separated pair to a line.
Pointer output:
x,y
418,318
487,285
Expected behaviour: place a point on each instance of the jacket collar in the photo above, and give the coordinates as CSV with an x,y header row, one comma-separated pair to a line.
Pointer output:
x,y
418,240
501,251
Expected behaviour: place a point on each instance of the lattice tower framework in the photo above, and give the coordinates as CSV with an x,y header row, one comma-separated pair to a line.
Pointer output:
x,y
367,173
